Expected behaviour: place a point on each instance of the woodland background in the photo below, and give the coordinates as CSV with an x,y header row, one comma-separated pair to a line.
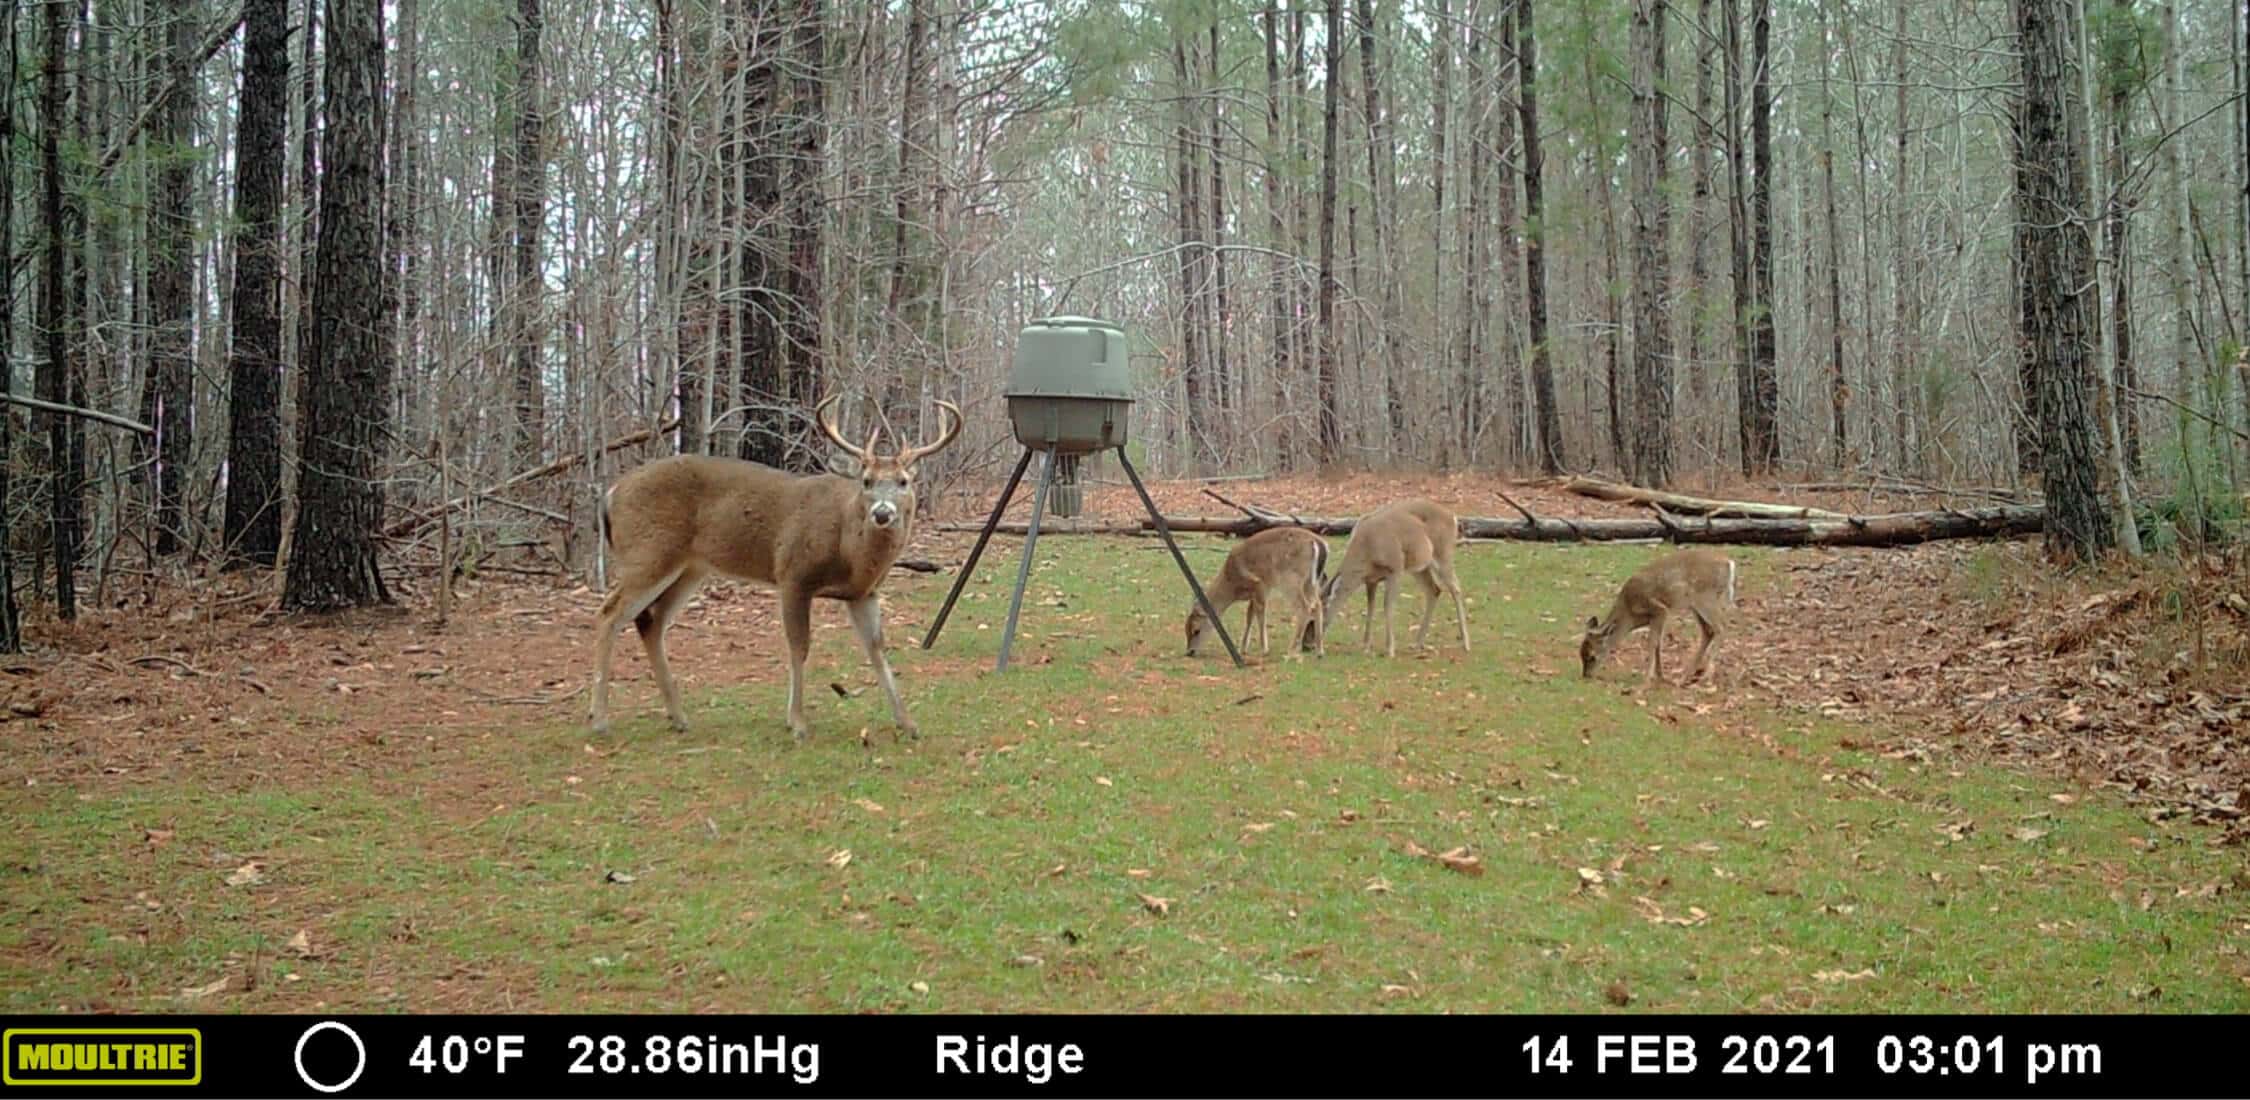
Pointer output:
x,y
323,266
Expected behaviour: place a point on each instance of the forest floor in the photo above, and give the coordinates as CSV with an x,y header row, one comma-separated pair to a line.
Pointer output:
x,y
1926,780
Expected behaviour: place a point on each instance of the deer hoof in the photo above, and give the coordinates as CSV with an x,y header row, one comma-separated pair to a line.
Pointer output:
x,y
679,724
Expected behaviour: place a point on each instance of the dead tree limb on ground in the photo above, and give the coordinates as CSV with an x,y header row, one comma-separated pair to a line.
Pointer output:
x,y
1896,529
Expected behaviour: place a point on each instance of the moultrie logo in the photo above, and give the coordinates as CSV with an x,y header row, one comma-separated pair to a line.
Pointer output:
x,y
101,1056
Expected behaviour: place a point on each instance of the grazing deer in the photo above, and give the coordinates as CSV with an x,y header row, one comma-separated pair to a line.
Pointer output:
x,y
675,521
1699,582
1413,537
1290,560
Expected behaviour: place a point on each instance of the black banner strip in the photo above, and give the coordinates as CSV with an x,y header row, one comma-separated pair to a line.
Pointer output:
x,y
1104,1056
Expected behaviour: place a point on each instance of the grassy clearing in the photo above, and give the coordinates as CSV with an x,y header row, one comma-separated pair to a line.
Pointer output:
x,y
1012,859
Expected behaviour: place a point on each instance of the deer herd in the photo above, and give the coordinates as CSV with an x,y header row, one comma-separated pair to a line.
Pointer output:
x,y
672,523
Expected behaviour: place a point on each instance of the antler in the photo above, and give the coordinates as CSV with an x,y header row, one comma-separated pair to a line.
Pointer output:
x,y
911,455
828,428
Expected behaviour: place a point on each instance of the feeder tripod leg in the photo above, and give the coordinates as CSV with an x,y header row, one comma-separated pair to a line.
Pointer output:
x,y
985,536
1030,539
1165,530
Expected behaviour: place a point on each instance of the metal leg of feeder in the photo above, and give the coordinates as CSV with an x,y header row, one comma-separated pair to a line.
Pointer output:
x,y
1165,529
1030,539
977,551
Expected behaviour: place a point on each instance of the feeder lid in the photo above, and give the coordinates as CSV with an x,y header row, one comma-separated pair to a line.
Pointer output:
x,y
1079,357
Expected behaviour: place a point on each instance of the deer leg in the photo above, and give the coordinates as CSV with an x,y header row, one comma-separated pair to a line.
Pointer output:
x,y
796,627
1429,605
1706,621
1367,621
1254,621
1452,583
1656,648
653,621
626,601
1390,615
867,622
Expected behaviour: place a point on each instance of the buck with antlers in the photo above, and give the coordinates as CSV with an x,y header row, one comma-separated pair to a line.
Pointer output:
x,y
674,522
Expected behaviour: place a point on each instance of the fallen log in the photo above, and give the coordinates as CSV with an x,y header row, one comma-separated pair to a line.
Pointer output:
x,y
1895,529
410,524
1682,504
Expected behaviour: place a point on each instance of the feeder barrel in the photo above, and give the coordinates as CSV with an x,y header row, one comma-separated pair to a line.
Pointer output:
x,y
1071,389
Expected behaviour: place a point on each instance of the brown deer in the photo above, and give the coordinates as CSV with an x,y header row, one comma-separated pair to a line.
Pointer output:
x,y
1699,582
675,521
1407,537
1289,560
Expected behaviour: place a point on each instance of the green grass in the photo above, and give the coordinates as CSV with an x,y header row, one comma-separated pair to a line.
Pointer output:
x,y
1000,863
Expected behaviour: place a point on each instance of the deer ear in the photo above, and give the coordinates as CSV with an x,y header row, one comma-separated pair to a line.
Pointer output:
x,y
1593,622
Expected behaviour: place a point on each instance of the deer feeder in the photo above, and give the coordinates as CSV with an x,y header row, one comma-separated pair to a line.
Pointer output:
x,y
1070,394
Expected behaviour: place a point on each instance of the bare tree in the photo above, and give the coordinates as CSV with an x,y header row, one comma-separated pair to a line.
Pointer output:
x,y
171,227
55,321
1765,381
11,634
1652,341
1331,427
253,505
344,423
2056,269
1550,445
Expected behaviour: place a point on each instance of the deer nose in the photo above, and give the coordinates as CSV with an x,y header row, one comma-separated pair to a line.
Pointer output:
x,y
883,513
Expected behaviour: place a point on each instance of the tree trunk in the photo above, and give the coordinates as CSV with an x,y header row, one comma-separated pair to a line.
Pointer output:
x,y
808,125
343,429
1187,206
1501,337
2056,272
1222,374
11,634
2119,219
1905,393
1331,433
1652,350
1747,433
1839,390
1382,178
1441,100
2180,277
63,505
1765,382
171,230
1282,273
253,508
308,240
1700,170
1475,147
528,194
908,289
758,328
1550,445
402,227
